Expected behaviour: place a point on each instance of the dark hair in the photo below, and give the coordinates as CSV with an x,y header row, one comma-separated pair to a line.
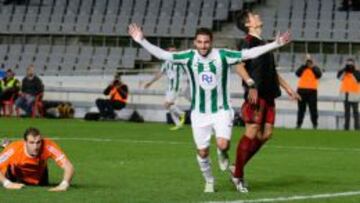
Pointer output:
x,y
350,60
31,131
117,76
116,82
241,19
204,31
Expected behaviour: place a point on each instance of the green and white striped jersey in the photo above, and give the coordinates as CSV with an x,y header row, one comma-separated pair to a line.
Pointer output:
x,y
173,72
208,77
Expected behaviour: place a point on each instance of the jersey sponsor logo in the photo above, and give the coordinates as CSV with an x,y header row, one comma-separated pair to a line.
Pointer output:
x,y
6,155
207,80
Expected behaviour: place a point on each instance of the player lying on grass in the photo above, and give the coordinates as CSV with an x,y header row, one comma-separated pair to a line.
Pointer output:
x,y
24,162
208,70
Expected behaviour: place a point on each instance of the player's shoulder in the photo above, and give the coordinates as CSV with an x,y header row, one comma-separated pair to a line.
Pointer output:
x,y
51,147
15,145
49,142
13,149
186,52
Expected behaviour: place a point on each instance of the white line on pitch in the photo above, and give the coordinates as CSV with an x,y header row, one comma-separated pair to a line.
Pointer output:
x,y
120,140
295,198
314,148
190,143
186,143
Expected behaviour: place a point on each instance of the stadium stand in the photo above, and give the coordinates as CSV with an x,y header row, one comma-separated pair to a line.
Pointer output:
x,y
309,20
159,18
89,37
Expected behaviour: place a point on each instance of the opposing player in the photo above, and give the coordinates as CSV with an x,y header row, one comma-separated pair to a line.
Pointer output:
x,y
261,89
174,73
24,162
208,70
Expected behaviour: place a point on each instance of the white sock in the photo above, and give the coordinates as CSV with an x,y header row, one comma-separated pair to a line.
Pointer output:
x,y
174,117
222,153
205,168
177,110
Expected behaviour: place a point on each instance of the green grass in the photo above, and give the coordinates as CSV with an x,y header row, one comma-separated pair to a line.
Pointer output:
x,y
149,163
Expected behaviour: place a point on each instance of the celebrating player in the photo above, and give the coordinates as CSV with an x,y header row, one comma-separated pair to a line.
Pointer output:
x,y
174,74
208,70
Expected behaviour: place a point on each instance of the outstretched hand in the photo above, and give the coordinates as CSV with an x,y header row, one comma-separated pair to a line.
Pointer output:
x,y
14,186
293,95
283,38
253,96
135,32
59,188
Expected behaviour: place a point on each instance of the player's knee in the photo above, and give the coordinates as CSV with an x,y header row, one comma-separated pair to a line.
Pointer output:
x,y
267,135
252,131
203,153
223,145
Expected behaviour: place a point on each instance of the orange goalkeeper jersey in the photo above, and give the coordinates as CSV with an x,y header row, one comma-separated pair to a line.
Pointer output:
x,y
26,168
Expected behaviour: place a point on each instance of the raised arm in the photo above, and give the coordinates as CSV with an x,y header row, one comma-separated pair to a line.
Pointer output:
x,y
280,41
138,36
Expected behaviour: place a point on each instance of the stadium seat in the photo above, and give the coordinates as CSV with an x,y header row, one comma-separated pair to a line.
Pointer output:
x,y
8,107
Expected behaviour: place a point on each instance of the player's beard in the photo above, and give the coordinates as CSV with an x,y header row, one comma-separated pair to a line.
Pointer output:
x,y
207,52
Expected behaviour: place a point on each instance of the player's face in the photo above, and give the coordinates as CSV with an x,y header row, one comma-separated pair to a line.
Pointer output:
x,y
309,63
30,71
9,74
33,145
254,20
203,44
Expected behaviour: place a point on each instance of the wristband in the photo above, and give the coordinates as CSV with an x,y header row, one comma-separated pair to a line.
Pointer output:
x,y
250,83
6,183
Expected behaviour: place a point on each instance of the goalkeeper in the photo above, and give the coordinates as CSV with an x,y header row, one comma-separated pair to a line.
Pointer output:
x,y
24,162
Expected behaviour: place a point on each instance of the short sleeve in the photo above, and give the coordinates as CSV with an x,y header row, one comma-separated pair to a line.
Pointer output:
x,y
231,56
6,157
182,57
54,152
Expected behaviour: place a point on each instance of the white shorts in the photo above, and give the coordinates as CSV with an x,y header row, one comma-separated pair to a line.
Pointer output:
x,y
203,126
170,96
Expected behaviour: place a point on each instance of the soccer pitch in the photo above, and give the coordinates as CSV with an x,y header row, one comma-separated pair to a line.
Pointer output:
x,y
130,162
